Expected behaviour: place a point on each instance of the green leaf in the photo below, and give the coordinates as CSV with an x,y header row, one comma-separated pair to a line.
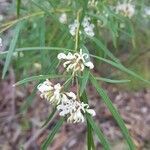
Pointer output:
x,y
114,111
28,101
49,117
90,140
84,80
92,126
35,78
42,30
3,54
18,7
41,7
111,81
11,49
98,132
104,48
121,67
52,134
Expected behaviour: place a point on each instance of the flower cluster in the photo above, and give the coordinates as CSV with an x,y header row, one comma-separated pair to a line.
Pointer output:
x,y
88,27
75,62
126,9
74,110
65,102
73,27
63,18
92,3
50,92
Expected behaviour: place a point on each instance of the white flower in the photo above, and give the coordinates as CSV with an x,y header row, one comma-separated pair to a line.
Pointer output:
x,y
70,56
76,117
65,102
86,21
146,12
71,95
74,110
89,65
63,18
67,107
1,42
45,86
75,62
88,27
56,98
73,27
50,92
92,3
125,9
85,108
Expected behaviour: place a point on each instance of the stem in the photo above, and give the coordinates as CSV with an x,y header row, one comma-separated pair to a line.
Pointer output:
x,y
78,88
11,23
77,31
67,80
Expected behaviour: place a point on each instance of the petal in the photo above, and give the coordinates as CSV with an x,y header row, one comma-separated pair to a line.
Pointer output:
x,y
66,63
70,67
82,67
57,87
61,56
70,119
62,113
79,116
71,94
42,88
70,56
64,98
60,107
89,64
91,112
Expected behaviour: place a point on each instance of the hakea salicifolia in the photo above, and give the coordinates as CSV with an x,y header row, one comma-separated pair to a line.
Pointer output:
x,y
65,102
88,27
63,18
75,62
125,9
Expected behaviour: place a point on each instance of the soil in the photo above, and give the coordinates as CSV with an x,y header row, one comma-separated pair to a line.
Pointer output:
x,y
20,128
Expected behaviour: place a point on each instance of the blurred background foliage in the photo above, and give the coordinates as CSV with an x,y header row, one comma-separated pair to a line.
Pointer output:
x,y
127,39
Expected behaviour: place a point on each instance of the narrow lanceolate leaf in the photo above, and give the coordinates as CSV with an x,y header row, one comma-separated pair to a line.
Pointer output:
x,y
3,54
42,31
114,111
11,49
28,101
111,81
90,140
99,133
90,128
18,7
121,67
36,78
52,134
84,81
49,117
104,48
